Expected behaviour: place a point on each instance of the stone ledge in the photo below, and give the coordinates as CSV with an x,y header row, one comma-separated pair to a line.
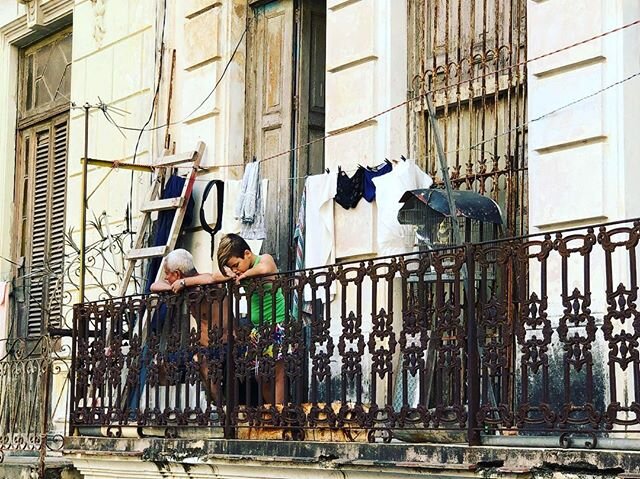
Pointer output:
x,y
498,461
20,467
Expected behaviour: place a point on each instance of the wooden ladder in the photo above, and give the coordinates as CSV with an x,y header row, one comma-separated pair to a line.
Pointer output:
x,y
153,202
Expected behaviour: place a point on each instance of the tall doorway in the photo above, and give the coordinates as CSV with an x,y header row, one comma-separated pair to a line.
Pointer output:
x,y
285,108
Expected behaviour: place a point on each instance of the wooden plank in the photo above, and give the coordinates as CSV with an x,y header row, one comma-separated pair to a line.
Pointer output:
x,y
119,166
142,225
142,253
161,205
186,194
176,159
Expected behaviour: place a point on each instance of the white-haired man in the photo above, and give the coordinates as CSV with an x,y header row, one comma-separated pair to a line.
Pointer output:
x,y
177,266
212,317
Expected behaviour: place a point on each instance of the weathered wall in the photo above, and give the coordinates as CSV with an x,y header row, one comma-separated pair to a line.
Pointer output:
x,y
115,60
168,459
366,73
581,159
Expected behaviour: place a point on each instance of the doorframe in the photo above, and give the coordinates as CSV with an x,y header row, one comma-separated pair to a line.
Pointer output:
x,y
56,15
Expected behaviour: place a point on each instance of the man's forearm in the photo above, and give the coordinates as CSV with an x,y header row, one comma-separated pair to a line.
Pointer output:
x,y
205,278
160,286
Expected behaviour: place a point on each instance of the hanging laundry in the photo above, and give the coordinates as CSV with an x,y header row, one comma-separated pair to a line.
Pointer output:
x,y
298,241
319,248
173,189
250,207
232,192
349,189
4,313
369,188
394,238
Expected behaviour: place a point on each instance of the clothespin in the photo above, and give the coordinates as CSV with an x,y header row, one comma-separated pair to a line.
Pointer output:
x,y
403,158
327,170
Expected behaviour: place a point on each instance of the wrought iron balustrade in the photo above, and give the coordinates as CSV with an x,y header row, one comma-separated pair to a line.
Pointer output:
x,y
517,337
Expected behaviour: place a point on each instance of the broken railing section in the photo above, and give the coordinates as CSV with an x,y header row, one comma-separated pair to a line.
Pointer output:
x,y
381,348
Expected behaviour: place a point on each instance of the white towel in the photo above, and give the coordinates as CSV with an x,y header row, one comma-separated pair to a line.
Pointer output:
x,y
319,249
394,238
232,192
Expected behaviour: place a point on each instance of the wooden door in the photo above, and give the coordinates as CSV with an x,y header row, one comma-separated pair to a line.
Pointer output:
x,y
309,102
285,104
269,107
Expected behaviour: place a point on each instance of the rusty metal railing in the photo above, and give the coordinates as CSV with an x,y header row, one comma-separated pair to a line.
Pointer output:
x,y
545,342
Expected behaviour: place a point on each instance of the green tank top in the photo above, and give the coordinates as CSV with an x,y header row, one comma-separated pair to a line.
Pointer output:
x,y
265,302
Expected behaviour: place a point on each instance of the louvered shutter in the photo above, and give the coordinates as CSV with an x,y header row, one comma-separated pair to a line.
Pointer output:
x,y
57,223
47,247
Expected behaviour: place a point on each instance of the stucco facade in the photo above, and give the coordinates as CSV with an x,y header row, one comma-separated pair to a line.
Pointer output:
x,y
582,165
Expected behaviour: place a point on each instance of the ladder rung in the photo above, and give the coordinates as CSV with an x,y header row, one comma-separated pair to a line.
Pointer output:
x,y
160,205
176,159
142,253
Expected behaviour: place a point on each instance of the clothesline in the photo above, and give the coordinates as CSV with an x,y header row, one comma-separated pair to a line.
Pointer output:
x,y
410,100
487,140
457,150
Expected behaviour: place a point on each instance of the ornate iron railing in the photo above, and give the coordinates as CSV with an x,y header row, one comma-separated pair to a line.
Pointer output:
x,y
27,405
516,337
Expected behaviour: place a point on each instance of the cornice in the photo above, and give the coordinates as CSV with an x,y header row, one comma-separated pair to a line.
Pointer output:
x,y
52,11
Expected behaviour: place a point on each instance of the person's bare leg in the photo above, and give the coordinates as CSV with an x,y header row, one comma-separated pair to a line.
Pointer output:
x,y
280,382
267,392
267,386
212,390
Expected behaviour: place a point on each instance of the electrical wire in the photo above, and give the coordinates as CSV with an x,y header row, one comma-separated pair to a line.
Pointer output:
x,y
151,112
467,148
195,110
506,132
408,101
448,87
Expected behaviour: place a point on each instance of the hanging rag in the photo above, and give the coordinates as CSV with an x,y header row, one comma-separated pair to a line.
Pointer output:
x,y
394,238
4,313
173,189
349,189
298,240
219,184
250,208
319,235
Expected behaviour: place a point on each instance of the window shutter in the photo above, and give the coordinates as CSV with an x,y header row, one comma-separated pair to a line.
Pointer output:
x,y
57,224
38,246
47,247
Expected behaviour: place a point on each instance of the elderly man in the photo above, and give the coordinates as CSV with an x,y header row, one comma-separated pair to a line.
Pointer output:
x,y
212,317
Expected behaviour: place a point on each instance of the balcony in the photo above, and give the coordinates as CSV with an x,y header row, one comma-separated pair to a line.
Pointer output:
x,y
526,341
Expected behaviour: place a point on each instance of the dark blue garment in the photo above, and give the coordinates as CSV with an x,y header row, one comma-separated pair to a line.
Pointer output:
x,y
172,189
349,189
369,192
